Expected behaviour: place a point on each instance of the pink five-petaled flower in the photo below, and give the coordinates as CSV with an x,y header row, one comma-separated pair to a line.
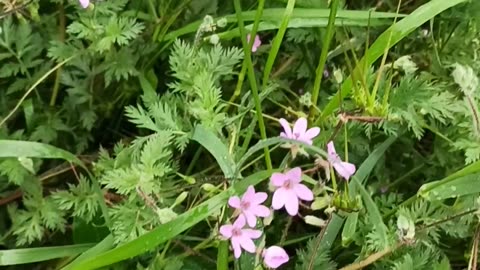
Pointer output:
x,y
240,238
250,205
299,132
84,3
274,256
256,43
345,169
289,190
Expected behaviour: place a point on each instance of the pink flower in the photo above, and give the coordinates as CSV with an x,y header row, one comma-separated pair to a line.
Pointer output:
x,y
256,43
274,256
289,190
344,169
240,237
250,205
84,3
299,132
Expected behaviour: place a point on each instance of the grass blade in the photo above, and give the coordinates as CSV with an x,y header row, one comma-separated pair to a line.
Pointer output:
x,y
275,15
31,255
277,42
215,146
462,186
251,73
12,148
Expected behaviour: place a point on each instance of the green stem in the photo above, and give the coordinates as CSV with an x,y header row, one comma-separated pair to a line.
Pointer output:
x,y
250,73
61,28
323,58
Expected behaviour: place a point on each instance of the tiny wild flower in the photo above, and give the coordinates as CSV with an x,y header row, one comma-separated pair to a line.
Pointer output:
x,y
256,43
289,191
249,206
274,256
298,133
344,169
240,238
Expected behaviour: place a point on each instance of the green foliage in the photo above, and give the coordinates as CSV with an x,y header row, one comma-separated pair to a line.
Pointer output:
x,y
313,257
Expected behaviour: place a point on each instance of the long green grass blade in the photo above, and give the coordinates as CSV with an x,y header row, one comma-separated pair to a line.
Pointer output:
x,y
277,42
251,73
31,255
275,15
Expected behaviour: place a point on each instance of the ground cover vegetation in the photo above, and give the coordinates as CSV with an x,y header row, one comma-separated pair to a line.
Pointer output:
x,y
241,134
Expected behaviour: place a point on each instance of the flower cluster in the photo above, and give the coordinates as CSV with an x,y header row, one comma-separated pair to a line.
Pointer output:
x,y
288,192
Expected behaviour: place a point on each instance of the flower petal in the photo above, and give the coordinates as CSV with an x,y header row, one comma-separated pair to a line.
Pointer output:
x,y
331,149
277,179
311,133
300,127
249,195
279,198
257,41
303,192
260,197
275,256
291,203
84,3
234,202
247,244
240,222
252,234
251,218
226,230
286,128
237,250
294,175
261,211
345,169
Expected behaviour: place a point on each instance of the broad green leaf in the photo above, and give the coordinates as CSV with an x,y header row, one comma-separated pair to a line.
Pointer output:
x,y
26,149
398,31
331,232
350,228
465,185
168,230
276,15
445,185
215,146
31,255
